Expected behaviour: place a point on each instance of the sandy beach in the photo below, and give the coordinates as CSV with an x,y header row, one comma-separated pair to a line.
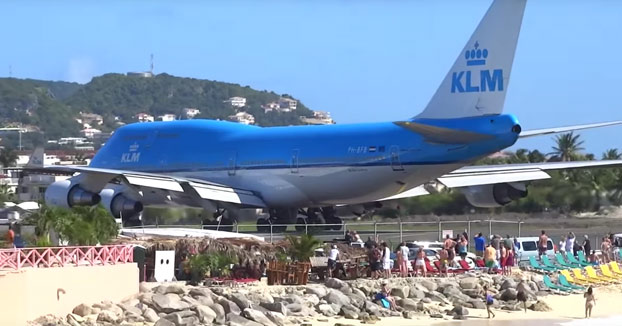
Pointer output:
x,y
566,310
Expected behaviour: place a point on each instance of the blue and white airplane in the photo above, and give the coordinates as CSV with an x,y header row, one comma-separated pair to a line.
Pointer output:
x,y
217,165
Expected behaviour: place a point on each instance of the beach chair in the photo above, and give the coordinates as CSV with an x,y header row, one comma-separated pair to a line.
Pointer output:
x,y
450,270
430,269
604,269
562,262
582,259
563,280
535,265
549,283
578,275
480,263
615,268
573,260
465,266
590,274
569,278
548,263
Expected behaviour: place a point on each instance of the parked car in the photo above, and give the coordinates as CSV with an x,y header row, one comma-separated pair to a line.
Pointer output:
x,y
529,248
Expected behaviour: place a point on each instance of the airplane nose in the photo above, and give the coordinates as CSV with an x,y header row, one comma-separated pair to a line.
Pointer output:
x,y
516,129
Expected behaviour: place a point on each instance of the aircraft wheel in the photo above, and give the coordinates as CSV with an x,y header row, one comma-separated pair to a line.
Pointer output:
x,y
335,224
226,224
300,224
263,225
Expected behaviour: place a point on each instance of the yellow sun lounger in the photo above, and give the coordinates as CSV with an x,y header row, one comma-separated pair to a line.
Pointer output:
x,y
579,276
591,274
604,269
615,268
571,279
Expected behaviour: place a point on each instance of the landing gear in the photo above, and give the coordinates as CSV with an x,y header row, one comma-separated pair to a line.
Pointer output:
x,y
309,220
222,220
334,222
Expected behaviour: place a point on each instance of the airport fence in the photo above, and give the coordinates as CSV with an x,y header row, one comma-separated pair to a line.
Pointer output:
x,y
65,256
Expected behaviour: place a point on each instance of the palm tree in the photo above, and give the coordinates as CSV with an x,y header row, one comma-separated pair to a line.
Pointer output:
x,y
8,157
568,146
612,154
303,247
536,156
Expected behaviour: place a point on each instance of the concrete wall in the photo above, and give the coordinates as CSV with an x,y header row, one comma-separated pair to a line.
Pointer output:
x,y
33,292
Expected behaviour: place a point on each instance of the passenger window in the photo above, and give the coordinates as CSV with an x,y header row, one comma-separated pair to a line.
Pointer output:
x,y
549,245
529,246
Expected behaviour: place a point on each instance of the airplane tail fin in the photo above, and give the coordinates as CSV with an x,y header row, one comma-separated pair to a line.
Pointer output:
x,y
477,82
36,158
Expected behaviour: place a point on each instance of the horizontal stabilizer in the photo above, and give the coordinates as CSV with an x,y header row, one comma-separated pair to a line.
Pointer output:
x,y
440,135
548,131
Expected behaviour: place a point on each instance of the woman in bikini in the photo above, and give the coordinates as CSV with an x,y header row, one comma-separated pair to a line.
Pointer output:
x,y
590,301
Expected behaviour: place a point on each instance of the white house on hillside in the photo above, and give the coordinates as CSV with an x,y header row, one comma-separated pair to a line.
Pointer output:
x,y
287,104
144,117
191,112
167,117
237,101
90,132
243,117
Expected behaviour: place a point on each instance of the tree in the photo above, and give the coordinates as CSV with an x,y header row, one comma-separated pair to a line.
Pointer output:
x,y
611,154
6,194
568,146
8,157
302,248
536,156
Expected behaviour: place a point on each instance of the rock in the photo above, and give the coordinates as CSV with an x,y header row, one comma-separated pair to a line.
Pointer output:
x,y
294,307
312,300
337,297
540,306
170,288
335,283
146,298
150,315
276,307
257,316
508,284
74,319
82,310
237,320
533,286
357,300
430,285
436,296
277,318
408,304
168,303
229,306
349,314
426,300
409,314
372,308
290,298
240,300
400,291
473,293
320,291
326,310
525,288
413,293
460,311
508,294
469,283
220,313
205,313
145,287
206,301
460,317
358,292
130,308
164,322
478,304
107,316
200,291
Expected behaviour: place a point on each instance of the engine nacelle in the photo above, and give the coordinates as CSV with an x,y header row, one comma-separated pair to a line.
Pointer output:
x,y
68,193
121,203
494,195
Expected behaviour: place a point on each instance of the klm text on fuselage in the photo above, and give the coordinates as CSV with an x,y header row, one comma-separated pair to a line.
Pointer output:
x,y
462,82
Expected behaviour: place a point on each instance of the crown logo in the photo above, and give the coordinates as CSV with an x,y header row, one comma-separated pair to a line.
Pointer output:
x,y
134,147
476,56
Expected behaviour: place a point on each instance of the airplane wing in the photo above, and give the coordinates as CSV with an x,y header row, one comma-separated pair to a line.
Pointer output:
x,y
548,131
490,174
95,177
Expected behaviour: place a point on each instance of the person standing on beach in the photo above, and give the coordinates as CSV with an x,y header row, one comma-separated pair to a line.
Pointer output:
x,y
570,242
587,246
386,260
542,244
489,301
480,245
420,262
562,245
10,236
333,256
402,259
490,257
590,302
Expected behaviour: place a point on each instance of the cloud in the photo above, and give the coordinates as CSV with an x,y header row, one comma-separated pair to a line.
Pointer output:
x,y
80,70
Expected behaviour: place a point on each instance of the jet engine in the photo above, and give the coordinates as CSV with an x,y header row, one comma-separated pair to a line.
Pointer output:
x,y
494,195
122,203
68,193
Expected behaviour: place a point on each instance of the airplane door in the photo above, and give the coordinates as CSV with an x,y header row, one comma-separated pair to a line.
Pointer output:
x,y
232,164
396,164
294,162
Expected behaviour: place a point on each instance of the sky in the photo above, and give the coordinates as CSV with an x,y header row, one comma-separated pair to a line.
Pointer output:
x,y
363,61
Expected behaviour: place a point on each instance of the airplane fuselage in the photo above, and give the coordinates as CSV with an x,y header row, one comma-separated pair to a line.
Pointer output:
x,y
303,166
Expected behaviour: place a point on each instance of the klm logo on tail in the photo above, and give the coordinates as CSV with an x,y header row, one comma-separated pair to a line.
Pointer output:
x,y
465,81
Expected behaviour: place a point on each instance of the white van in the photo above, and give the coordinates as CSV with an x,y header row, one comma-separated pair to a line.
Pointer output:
x,y
529,248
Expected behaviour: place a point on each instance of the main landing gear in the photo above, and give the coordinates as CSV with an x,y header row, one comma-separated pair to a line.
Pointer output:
x,y
311,219
222,220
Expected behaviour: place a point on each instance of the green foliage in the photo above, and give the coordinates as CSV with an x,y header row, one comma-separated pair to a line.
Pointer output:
x,y
216,263
8,157
78,225
567,146
6,194
303,247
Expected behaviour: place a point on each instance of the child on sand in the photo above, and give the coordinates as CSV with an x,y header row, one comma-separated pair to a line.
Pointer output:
x,y
590,301
489,302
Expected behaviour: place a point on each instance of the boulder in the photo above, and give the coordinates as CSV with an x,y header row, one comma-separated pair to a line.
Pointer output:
x,y
74,320
473,293
320,291
436,296
430,285
469,283
312,300
478,304
294,307
241,300
540,306
508,294
146,287
168,303
326,310
108,317
413,293
229,306
237,320
220,313
164,322
150,315
408,304
257,316
130,308
426,300
170,288
337,297
277,318
358,292
400,291
508,284
349,313
200,291
276,307
206,301
335,283
460,311
82,310
372,308
205,313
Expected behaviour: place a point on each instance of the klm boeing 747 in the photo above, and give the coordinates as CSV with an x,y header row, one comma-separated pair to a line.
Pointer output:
x,y
223,166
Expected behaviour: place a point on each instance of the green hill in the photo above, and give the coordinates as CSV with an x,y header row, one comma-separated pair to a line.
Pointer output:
x,y
52,106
